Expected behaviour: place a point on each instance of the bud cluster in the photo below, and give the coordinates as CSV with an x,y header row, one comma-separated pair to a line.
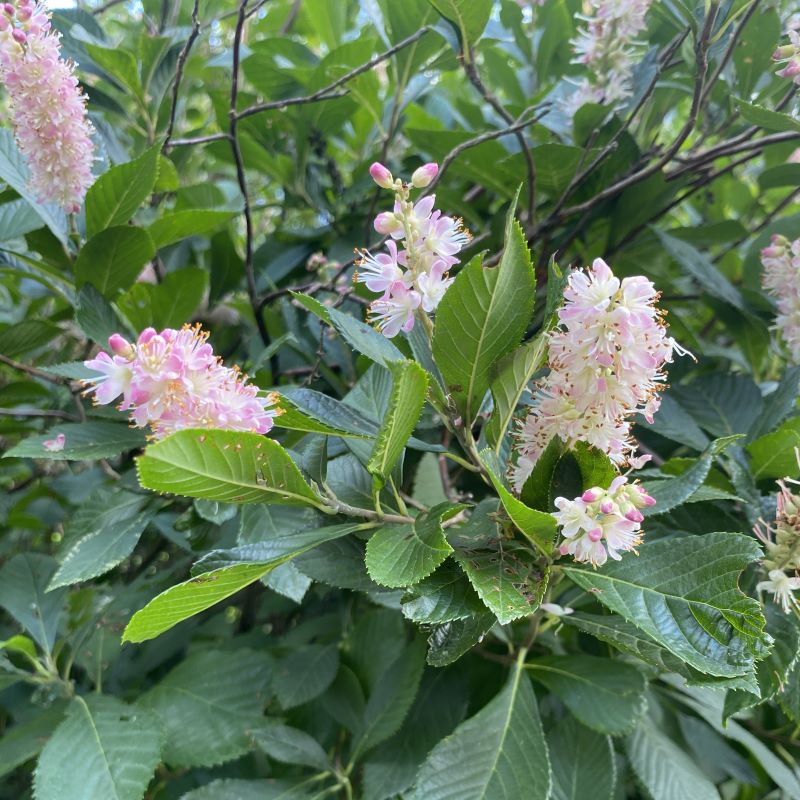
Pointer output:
x,y
48,109
605,364
781,278
782,544
604,45
602,522
415,275
172,380
789,54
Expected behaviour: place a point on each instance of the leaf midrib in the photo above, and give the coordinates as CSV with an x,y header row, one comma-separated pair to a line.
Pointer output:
x,y
100,747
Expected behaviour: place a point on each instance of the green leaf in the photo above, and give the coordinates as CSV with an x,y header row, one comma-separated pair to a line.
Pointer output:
x,y
777,405
592,773
469,17
499,754
296,418
24,595
510,378
291,746
95,316
409,389
231,466
537,526
391,767
84,441
168,304
120,64
445,596
664,769
221,573
683,593
117,194
14,171
24,740
401,555
26,336
208,705
305,674
112,259
767,119
16,219
481,318
177,225
773,455
673,492
240,789
391,697
110,531
448,642
699,266
117,746
606,695
364,338
505,575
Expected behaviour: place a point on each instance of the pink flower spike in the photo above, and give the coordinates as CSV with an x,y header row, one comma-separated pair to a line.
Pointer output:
x,y
55,445
381,176
423,175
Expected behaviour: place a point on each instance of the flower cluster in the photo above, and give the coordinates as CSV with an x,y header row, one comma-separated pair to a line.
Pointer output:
x,y
789,54
782,544
48,110
172,380
415,275
604,45
605,366
602,522
781,278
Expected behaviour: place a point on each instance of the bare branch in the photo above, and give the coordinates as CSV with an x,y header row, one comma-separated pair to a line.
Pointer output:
x,y
182,58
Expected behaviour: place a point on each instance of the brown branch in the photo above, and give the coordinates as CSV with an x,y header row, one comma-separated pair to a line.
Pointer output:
x,y
327,92
33,371
785,203
211,137
106,6
472,73
182,58
242,180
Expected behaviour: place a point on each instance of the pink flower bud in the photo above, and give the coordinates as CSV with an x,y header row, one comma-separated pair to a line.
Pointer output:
x,y
648,501
381,176
595,535
590,495
9,9
607,506
786,51
634,515
55,445
424,175
790,70
120,345
387,223
563,549
19,35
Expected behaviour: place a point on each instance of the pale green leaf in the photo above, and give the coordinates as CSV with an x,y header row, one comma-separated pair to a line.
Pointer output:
x,y
773,455
498,754
590,775
177,225
230,466
683,593
117,746
208,705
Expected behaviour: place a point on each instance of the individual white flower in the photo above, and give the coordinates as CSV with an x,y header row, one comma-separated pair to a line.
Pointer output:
x,y
782,588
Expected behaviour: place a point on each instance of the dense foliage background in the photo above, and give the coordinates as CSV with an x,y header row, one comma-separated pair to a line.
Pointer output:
x,y
234,142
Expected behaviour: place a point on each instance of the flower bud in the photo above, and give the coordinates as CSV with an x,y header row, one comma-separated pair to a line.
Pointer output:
x,y
120,346
590,495
19,35
9,9
607,506
387,223
785,51
381,176
790,70
423,175
595,535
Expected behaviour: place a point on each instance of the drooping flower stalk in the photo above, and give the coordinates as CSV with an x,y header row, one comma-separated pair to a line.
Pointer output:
x,y
602,522
605,46
48,109
782,544
781,278
172,380
789,56
417,274
606,359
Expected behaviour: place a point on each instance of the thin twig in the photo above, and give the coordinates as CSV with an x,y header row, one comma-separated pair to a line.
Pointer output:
x,y
38,412
33,371
242,180
327,92
211,137
106,6
182,58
